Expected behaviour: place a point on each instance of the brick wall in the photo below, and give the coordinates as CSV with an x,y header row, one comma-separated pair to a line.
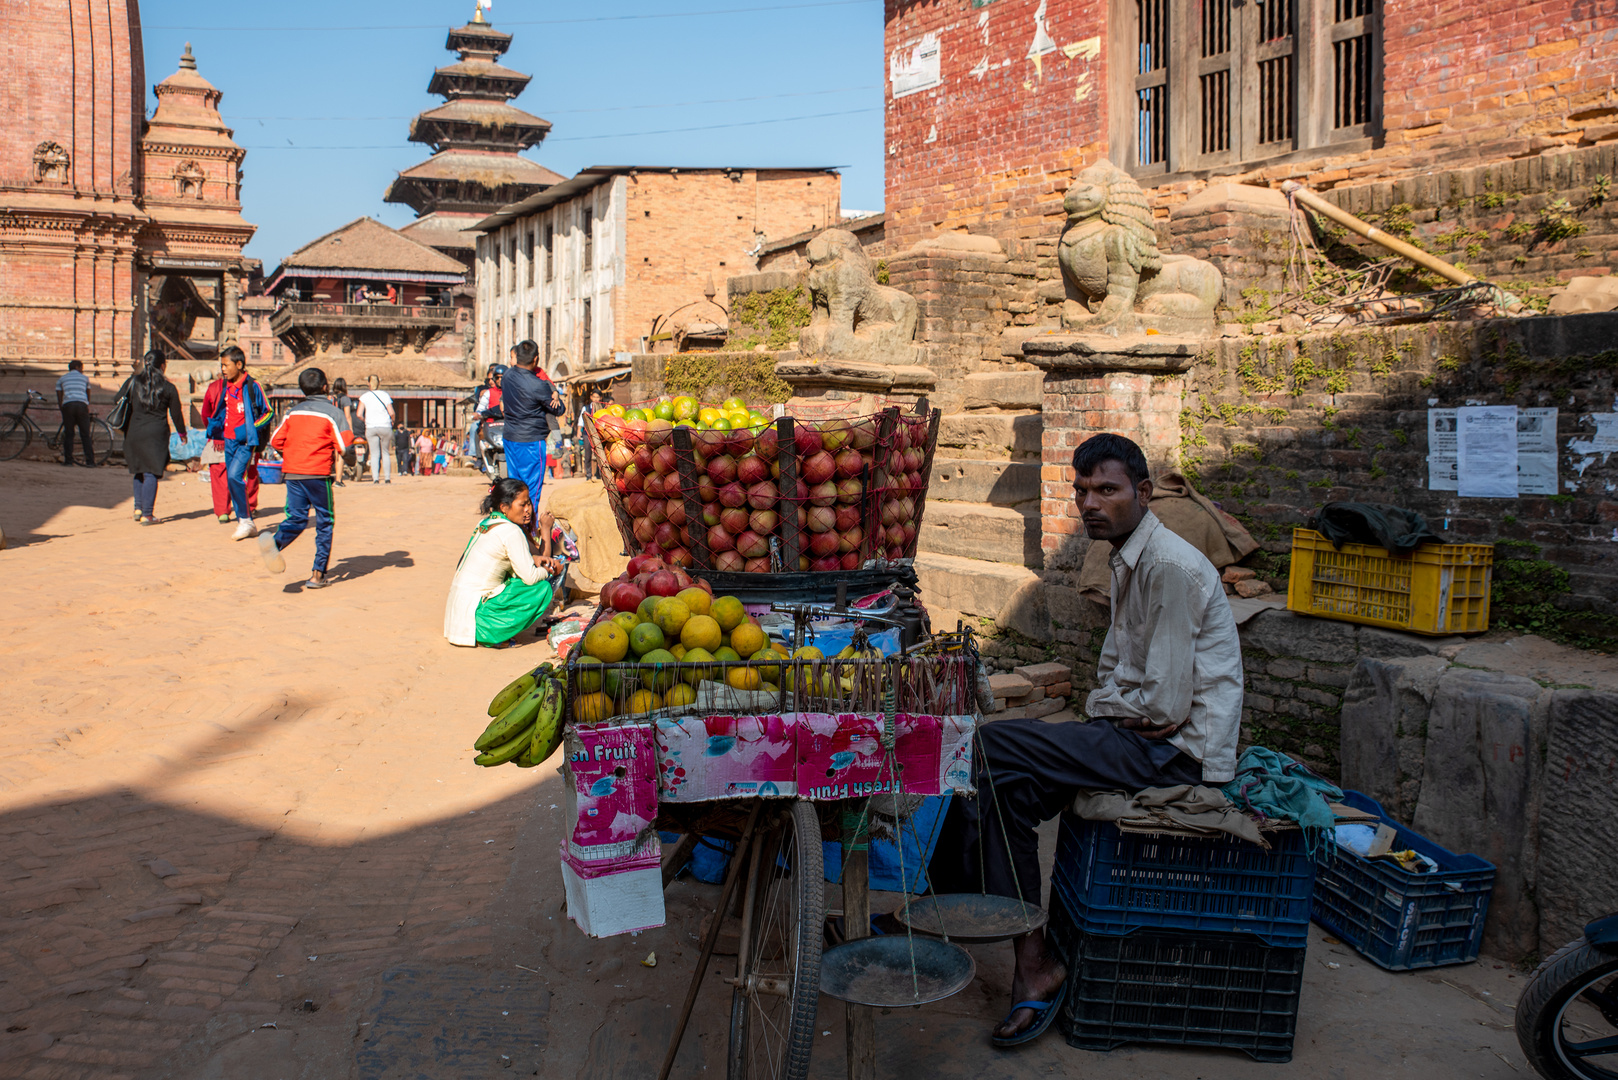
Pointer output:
x,y
991,147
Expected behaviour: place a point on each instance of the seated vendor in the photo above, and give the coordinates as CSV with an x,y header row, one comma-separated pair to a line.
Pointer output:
x,y
500,587
1166,711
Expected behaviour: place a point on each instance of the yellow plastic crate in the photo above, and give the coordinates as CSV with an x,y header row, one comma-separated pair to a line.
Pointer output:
x,y
1437,589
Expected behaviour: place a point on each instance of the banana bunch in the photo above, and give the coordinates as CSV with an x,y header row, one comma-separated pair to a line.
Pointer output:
x,y
870,652
527,724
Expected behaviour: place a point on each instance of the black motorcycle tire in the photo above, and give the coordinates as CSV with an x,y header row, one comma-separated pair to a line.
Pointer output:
x,y
1557,981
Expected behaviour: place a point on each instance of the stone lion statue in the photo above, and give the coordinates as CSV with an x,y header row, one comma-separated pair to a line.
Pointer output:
x,y
1108,253
852,315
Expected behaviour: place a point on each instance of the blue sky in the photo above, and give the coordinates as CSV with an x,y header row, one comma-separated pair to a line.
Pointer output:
x,y
300,76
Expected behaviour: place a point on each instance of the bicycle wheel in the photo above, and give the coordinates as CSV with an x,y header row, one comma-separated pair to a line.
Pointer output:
x,y
100,440
15,435
778,972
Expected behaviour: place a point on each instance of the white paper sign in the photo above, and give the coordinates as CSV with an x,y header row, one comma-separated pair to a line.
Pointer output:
x,y
1606,438
1441,450
921,68
1486,451
1536,452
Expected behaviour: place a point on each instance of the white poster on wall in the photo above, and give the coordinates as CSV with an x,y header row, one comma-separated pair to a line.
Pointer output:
x,y
1486,451
1536,452
916,66
1441,450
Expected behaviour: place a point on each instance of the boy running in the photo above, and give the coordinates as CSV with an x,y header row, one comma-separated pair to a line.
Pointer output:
x,y
311,440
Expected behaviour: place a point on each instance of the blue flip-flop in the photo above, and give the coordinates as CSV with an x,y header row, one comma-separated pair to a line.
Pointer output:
x,y
1044,1013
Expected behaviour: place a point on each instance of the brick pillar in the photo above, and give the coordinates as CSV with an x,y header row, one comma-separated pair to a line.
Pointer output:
x,y
1079,404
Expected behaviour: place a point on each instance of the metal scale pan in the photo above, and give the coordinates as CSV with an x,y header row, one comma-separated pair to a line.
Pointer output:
x,y
894,971
971,917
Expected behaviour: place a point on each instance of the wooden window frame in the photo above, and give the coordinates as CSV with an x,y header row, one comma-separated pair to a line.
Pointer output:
x,y
1315,34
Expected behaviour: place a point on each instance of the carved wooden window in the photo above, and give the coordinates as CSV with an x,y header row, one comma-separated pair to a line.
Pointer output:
x,y
1224,82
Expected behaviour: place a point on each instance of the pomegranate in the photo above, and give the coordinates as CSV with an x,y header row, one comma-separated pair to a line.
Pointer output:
x,y
643,459
707,490
764,521
803,562
823,543
850,540
640,562
850,490
652,484
896,552
635,504
851,560
683,579
821,519
909,528
757,566
619,457
763,495
663,460
849,462
733,519
751,545
675,509
817,468
729,561
806,439
722,469
680,557
862,433
823,494
657,511
826,564
848,517
733,494
644,530
668,538
663,583
708,443
834,435
767,444
634,479
710,513
890,512
719,539
895,535
739,442
752,469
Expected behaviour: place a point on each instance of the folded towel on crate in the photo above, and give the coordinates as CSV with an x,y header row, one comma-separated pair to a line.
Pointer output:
x,y
1194,807
1272,785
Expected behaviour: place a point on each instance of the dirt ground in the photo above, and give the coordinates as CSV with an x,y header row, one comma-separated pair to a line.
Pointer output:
x,y
241,837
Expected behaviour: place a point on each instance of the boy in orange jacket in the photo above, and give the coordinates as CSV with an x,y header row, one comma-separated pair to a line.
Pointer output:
x,y
311,440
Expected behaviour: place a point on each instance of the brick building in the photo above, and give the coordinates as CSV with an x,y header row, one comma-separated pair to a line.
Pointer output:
x,y
993,106
607,259
102,213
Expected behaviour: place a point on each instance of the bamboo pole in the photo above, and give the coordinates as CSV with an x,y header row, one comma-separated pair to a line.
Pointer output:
x,y
1401,248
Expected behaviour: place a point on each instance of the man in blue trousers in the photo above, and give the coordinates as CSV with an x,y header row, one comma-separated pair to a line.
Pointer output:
x,y
528,400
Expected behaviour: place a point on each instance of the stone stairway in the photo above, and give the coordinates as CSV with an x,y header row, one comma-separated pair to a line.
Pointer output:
x,y
979,549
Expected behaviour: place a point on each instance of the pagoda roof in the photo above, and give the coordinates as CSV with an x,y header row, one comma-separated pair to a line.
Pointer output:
x,y
483,112
489,170
441,230
480,36
367,244
445,81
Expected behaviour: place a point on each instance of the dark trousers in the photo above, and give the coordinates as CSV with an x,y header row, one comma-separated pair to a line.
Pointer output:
x,y
145,485
303,498
76,417
1026,773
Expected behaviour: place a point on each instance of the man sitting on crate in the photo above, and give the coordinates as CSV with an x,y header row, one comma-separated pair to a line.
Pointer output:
x,y
1166,711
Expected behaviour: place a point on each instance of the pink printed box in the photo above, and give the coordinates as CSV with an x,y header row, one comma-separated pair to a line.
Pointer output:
x,y
611,790
726,757
841,756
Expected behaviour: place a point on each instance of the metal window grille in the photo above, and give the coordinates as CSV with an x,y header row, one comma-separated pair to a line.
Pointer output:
x,y
550,245
1151,84
589,239
550,319
1215,85
1275,99
588,326
1352,59
533,251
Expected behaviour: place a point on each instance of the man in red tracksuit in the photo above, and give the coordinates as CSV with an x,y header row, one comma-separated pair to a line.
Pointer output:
x,y
214,400
311,440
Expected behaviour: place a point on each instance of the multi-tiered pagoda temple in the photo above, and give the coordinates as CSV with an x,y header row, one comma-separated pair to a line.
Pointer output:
x,y
477,138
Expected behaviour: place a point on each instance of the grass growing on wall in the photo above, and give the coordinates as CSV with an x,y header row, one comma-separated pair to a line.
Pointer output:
x,y
715,376
771,319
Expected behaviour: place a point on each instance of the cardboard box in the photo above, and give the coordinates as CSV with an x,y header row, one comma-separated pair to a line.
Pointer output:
x,y
610,791
618,896
726,757
841,757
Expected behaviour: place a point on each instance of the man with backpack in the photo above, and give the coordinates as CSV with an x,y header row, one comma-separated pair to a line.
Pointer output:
x,y
237,415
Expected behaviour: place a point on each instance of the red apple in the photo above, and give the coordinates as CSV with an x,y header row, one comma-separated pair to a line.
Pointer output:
x,y
763,522
729,561
823,543
826,564
848,517
722,469
817,468
733,494
757,566
719,540
763,495
807,439
823,494
644,530
849,462
752,469
849,540
710,513
751,545
850,490
668,538
851,560
734,519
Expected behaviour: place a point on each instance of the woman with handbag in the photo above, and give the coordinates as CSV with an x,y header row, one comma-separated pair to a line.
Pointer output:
x,y
152,403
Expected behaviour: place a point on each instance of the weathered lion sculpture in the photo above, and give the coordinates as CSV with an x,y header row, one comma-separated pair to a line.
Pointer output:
x,y
1108,253
852,315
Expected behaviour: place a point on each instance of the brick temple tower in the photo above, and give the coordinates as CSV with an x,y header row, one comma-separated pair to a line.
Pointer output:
x,y
477,138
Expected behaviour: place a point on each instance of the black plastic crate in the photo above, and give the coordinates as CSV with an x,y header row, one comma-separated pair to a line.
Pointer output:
x,y
1399,920
1116,882
1175,989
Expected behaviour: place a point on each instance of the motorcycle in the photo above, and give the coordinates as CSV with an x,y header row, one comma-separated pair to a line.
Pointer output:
x,y
492,447
1567,1017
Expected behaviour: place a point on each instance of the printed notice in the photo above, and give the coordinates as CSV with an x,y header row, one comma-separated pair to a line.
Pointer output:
x,y
1441,450
921,68
1486,451
1536,452
1606,437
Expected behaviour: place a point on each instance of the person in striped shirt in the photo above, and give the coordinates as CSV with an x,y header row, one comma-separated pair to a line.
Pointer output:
x,y
73,398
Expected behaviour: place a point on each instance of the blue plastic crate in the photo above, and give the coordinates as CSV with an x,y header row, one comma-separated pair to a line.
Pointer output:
x,y
1177,989
1399,920
1116,882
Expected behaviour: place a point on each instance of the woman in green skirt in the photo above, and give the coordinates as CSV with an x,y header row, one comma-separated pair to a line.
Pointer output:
x,y
500,587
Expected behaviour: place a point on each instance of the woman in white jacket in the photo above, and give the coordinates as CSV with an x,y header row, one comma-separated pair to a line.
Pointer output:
x,y
500,587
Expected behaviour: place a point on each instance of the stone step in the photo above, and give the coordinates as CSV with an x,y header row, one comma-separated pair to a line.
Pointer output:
x,y
999,483
1018,432
978,531
954,588
1004,389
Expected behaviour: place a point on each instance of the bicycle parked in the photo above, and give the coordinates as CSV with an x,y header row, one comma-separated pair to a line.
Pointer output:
x,y
17,431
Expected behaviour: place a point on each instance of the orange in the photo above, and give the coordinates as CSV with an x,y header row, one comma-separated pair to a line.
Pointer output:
x,y
728,613
744,678
699,632
645,638
607,642
771,673
680,694
627,619
748,639
588,681
693,670
659,678
697,600
642,702
678,650
591,708
670,615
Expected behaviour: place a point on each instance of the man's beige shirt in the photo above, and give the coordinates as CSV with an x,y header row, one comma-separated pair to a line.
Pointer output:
x,y
1172,654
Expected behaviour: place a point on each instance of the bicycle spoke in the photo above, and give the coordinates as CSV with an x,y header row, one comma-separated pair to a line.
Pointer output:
x,y
14,435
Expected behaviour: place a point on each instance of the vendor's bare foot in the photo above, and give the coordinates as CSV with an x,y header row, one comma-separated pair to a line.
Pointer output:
x,y
1038,977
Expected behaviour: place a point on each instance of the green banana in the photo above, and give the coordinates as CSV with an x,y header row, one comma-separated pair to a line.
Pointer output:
x,y
547,729
506,751
515,718
514,690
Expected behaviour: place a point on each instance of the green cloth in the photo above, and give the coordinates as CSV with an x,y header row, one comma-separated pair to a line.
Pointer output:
x,y
1272,785
512,610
